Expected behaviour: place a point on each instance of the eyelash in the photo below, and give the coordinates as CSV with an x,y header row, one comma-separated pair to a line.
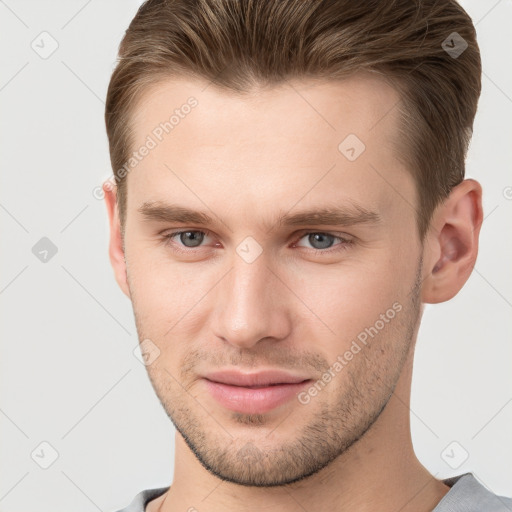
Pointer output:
x,y
343,246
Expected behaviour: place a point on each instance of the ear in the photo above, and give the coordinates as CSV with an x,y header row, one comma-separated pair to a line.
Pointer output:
x,y
116,250
452,242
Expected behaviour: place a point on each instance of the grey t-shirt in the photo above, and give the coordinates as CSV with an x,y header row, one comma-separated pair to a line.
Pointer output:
x,y
466,495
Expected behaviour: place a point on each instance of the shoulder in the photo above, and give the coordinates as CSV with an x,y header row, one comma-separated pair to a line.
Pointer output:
x,y
467,494
140,501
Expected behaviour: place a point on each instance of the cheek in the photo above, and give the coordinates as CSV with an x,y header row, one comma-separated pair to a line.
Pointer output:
x,y
163,291
350,296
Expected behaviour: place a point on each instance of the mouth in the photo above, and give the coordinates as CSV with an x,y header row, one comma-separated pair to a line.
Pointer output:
x,y
262,378
255,393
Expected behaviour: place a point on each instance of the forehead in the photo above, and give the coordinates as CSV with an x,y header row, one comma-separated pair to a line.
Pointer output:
x,y
306,140
362,104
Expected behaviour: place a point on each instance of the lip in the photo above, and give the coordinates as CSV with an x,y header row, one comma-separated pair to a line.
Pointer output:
x,y
260,379
253,393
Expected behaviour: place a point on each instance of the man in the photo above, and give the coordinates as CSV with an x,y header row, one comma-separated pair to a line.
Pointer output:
x,y
289,190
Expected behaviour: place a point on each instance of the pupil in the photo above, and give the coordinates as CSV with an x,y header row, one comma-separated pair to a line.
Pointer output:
x,y
196,238
325,240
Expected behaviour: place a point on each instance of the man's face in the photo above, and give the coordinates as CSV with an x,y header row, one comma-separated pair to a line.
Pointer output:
x,y
249,293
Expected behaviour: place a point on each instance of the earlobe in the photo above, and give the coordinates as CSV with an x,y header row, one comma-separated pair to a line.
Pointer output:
x,y
116,249
453,242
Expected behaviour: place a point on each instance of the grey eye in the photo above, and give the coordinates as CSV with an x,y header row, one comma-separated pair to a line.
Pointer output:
x,y
194,237
321,240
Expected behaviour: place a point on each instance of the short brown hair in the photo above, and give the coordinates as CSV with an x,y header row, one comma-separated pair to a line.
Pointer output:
x,y
242,44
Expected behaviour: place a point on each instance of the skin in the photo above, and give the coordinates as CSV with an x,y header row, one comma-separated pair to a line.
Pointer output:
x,y
244,160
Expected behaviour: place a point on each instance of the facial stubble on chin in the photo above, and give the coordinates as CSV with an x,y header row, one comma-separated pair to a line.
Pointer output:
x,y
329,433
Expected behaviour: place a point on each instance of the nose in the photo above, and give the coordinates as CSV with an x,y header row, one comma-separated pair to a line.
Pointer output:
x,y
252,304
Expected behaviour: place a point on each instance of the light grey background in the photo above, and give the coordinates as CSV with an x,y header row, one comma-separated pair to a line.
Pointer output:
x,y
69,376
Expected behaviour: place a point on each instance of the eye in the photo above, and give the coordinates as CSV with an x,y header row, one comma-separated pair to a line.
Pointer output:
x,y
189,239
321,241
183,241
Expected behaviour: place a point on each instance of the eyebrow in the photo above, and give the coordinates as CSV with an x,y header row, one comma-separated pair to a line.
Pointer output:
x,y
334,216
